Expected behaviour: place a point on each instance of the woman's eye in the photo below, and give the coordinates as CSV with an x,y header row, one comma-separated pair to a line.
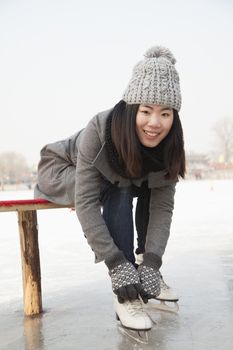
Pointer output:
x,y
145,112
165,115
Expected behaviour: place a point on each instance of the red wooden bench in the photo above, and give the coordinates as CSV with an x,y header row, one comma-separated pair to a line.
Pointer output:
x,y
30,255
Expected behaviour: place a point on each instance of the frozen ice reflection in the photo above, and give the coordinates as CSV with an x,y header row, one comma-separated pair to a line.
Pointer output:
x,y
33,333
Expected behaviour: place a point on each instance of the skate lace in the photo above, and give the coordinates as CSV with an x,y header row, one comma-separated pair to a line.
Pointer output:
x,y
134,307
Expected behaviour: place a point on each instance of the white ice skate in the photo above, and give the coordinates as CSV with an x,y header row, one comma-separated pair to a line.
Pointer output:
x,y
138,259
132,315
134,321
167,297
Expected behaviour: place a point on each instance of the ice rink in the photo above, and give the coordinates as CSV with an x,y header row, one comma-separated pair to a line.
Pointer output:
x,y
76,293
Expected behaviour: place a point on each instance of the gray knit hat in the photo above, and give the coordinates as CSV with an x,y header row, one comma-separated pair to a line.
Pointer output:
x,y
155,80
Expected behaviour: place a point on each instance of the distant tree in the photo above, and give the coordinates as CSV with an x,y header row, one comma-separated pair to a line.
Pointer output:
x,y
13,167
223,130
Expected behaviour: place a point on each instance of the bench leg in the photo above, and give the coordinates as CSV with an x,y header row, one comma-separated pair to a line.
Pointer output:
x,y
30,257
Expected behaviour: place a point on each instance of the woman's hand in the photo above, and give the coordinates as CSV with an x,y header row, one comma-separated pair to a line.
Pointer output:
x,y
149,275
125,278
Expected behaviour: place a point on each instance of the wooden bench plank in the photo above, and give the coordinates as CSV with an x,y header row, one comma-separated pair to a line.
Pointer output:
x,y
28,204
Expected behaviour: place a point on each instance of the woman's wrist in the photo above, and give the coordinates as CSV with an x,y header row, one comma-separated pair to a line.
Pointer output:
x,y
115,259
152,260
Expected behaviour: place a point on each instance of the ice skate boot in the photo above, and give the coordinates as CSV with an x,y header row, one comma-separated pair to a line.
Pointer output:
x,y
167,294
132,315
138,259
167,297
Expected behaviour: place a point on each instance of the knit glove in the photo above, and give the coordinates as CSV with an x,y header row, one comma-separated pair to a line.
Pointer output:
x,y
149,274
125,279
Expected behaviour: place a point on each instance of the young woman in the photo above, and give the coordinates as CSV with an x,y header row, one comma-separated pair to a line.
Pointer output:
x,y
134,150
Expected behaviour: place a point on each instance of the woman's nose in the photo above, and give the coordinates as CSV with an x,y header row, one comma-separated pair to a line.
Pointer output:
x,y
154,121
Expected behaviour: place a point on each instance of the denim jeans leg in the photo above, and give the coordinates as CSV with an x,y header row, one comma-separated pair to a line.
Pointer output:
x,y
142,218
118,215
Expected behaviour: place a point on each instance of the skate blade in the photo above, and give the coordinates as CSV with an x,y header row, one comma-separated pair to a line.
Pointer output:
x,y
138,336
163,306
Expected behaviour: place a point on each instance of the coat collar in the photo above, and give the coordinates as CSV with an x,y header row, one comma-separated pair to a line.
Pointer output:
x,y
102,164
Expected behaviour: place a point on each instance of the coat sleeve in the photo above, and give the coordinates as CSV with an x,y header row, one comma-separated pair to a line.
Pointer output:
x,y
87,192
161,210
56,171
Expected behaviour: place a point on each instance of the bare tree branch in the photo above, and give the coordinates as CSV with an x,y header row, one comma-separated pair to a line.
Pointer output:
x,y
223,130
13,166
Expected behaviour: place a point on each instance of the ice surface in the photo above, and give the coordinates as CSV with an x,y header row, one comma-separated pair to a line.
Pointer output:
x,y
198,263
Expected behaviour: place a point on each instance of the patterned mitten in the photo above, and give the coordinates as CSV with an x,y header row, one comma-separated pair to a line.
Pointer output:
x,y
125,279
149,274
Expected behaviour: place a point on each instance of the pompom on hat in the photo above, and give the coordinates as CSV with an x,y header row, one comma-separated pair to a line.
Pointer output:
x,y
155,80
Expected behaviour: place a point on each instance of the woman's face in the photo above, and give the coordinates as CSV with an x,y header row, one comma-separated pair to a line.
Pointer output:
x,y
153,123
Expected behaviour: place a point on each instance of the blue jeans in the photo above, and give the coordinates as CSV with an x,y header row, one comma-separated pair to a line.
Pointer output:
x,y
118,214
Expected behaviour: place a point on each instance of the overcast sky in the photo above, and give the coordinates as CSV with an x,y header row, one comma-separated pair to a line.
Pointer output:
x,y
63,61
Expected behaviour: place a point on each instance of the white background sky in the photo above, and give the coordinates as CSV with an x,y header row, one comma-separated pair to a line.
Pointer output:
x,y
63,61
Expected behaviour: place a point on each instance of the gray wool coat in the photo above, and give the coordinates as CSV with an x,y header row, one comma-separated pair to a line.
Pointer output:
x,y
72,171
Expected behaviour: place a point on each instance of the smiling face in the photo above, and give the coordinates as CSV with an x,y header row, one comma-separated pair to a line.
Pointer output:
x,y
153,123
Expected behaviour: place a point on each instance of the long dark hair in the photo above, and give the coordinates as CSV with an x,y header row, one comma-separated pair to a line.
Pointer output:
x,y
127,144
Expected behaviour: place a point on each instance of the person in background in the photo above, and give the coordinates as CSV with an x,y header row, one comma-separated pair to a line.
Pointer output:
x,y
133,150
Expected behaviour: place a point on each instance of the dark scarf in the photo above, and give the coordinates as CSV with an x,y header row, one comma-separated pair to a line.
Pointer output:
x,y
152,158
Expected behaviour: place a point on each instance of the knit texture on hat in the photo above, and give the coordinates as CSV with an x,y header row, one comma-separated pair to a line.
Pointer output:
x,y
155,80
